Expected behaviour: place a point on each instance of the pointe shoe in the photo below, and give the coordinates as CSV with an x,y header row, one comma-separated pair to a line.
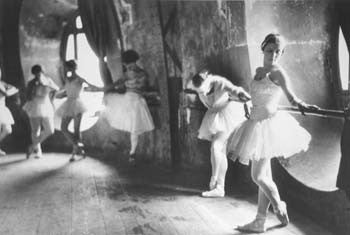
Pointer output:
x,y
216,192
30,150
2,152
74,152
212,183
38,152
81,150
256,226
281,213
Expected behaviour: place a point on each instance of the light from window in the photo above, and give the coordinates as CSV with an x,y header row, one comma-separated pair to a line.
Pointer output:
x,y
78,23
70,48
343,61
88,64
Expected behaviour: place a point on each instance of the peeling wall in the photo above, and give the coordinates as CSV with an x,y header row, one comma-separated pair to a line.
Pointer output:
x,y
144,35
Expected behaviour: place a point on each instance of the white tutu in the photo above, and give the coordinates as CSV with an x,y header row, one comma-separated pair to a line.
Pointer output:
x,y
264,138
6,116
128,112
224,119
71,107
39,108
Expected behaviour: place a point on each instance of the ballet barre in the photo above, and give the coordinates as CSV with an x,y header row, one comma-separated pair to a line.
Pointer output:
x,y
326,113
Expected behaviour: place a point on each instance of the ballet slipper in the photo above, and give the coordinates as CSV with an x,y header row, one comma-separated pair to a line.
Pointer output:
x,y
212,183
281,213
256,226
30,150
81,150
74,152
38,152
216,192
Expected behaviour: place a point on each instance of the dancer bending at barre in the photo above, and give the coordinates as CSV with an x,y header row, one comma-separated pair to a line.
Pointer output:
x,y
217,93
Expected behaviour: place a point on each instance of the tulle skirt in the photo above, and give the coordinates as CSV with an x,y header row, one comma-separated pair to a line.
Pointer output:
x,y
39,108
224,119
6,116
128,112
279,135
71,108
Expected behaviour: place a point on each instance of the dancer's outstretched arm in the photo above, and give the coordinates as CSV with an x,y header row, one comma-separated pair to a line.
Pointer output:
x,y
281,78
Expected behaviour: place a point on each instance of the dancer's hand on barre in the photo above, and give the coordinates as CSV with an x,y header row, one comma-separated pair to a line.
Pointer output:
x,y
189,91
246,111
60,94
243,96
307,107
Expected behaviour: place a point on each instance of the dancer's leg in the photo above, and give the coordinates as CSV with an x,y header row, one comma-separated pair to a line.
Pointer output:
x,y
35,127
213,178
134,139
77,134
46,129
64,128
77,122
5,130
262,176
220,165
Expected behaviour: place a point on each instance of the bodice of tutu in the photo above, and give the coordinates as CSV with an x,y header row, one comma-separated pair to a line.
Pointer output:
x,y
41,93
265,97
74,88
135,79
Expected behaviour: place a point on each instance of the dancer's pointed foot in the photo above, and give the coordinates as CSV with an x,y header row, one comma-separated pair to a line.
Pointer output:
x,y
216,192
281,213
38,152
2,152
75,151
256,226
30,150
81,150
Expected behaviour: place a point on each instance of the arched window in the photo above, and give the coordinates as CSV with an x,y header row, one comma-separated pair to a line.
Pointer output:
x,y
76,46
343,54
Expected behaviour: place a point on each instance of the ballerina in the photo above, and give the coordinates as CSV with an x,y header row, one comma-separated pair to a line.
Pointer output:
x,y
268,133
74,107
6,119
217,94
39,109
129,111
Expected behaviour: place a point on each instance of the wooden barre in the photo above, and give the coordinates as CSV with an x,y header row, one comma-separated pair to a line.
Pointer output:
x,y
327,113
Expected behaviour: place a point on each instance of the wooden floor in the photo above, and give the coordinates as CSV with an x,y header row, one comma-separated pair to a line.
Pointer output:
x,y
52,196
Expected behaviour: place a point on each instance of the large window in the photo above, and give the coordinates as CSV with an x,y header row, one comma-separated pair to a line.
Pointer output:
x,y
343,62
78,48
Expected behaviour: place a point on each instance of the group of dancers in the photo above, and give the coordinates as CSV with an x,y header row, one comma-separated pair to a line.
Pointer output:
x,y
265,133
127,111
